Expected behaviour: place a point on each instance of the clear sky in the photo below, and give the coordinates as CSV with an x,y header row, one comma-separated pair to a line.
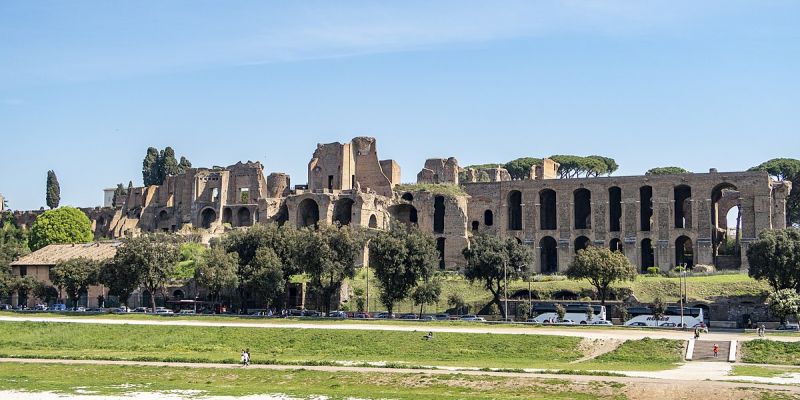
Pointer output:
x,y
87,86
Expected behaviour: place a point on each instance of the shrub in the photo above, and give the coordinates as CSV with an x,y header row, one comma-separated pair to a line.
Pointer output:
x,y
703,269
653,271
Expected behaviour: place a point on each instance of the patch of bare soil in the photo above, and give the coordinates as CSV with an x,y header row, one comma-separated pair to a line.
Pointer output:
x,y
696,390
592,348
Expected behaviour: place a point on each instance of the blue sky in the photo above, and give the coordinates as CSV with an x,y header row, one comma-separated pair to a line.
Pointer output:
x,y
87,86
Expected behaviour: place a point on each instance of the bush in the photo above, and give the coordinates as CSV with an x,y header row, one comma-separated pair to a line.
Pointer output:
x,y
549,278
619,293
653,271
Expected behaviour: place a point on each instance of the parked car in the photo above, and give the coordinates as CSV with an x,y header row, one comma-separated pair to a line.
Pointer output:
x,y
668,324
408,316
428,318
162,310
6,307
120,310
385,315
638,324
295,313
78,309
472,318
140,310
186,312
789,327
96,310
442,317
361,315
40,307
58,307
337,314
602,322
532,321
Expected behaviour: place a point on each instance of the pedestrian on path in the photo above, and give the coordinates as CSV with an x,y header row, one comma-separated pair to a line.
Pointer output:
x,y
716,350
247,357
244,358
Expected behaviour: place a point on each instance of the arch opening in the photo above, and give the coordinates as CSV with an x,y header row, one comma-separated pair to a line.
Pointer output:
x,y
648,255
548,255
475,225
581,242
616,245
614,209
547,209
582,199
343,211
404,213
488,218
440,247
307,213
645,208
726,222
684,251
243,217
207,217
515,210
373,221
227,215
682,194
407,196
438,214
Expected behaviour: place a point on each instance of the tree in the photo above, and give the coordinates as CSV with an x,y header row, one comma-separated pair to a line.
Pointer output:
x,y
486,258
666,171
53,192
775,257
561,312
150,258
601,267
401,257
786,169
167,164
184,165
624,315
44,292
120,281
521,167
456,300
589,312
60,226
119,192
13,243
264,277
75,276
658,307
150,167
784,304
611,165
426,293
329,255
216,271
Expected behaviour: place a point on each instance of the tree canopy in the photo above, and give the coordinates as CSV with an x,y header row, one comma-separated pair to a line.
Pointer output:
x,y
158,165
601,267
521,167
216,271
149,260
784,304
401,257
775,258
666,171
75,276
61,225
576,166
786,169
53,190
486,258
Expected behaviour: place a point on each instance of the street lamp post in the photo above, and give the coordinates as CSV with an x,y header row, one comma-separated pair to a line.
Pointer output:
x,y
680,289
505,289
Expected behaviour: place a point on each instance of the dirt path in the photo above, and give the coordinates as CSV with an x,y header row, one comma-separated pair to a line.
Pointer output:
x,y
584,332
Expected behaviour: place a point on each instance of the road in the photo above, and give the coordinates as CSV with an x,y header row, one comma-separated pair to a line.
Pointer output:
x,y
584,332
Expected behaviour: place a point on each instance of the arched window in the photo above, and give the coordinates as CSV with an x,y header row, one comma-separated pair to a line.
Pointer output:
x,y
583,208
343,211
548,255
614,208
207,217
616,245
648,256
684,251
515,210
581,242
243,217
547,210
488,218
683,206
307,213
438,214
373,221
646,208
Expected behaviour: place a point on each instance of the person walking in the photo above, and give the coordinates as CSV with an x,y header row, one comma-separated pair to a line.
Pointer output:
x,y
247,357
244,358
716,350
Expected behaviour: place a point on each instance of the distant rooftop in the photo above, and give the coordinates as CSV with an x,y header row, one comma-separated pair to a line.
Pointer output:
x,y
54,253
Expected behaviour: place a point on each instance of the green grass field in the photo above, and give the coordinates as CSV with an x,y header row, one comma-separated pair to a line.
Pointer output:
x,y
645,288
762,351
119,380
760,371
319,346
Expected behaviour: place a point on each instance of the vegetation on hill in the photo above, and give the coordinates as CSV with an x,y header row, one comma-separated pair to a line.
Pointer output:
x,y
762,351
666,171
786,169
60,226
440,188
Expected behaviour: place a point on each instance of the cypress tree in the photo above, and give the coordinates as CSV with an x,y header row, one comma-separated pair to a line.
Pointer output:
x,y
53,195
150,167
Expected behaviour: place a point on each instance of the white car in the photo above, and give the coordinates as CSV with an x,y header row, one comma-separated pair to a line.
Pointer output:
x,y
602,322
164,310
473,318
186,312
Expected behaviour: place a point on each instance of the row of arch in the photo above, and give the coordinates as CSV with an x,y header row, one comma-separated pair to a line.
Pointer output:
x,y
582,209
548,251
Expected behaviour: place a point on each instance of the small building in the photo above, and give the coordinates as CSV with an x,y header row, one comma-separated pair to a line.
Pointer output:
x,y
39,263
108,197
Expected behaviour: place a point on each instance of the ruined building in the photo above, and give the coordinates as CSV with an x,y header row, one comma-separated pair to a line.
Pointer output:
x,y
658,221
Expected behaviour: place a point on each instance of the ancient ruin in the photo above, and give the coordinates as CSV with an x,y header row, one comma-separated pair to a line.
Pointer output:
x,y
660,221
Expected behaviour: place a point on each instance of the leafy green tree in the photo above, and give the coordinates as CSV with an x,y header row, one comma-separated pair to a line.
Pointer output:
x,y
329,255
611,165
666,171
191,254
75,276
426,293
456,300
786,169
486,258
659,308
60,226
624,315
44,292
150,167
784,304
167,164
13,243
184,165
589,312
561,312
151,258
119,192
601,267
25,285
521,167
401,257
121,281
775,258
53,195
264,276
216,271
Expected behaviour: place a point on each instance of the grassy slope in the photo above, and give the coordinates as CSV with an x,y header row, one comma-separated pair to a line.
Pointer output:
x,y
223,344
644,288
766,372
762,351
117,380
